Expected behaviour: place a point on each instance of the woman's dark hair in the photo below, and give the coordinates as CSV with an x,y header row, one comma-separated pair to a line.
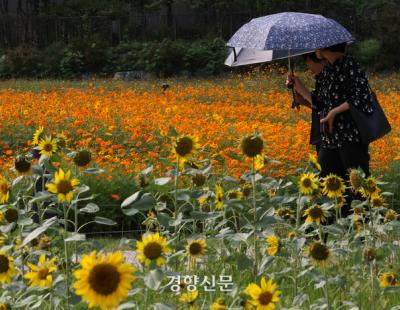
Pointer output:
x,y
312,56
338,48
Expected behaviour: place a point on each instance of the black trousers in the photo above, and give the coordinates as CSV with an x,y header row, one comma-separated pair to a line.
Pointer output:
x,y
339,161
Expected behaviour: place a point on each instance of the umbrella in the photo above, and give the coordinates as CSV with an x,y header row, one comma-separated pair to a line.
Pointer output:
x,y
283,35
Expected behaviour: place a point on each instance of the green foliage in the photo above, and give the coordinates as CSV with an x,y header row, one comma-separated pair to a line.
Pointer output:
x,y
368,51
71,64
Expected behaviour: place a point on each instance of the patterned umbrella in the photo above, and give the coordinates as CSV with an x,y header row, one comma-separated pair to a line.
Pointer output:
x,y
284,35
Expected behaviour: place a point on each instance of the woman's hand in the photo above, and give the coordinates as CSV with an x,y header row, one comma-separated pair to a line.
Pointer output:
x,y
329,119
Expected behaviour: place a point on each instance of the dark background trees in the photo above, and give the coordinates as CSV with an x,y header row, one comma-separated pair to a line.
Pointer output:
x,y
85,31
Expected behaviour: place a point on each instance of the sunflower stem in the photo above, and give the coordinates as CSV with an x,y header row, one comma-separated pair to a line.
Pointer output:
x,y
326,289
66,252
253,182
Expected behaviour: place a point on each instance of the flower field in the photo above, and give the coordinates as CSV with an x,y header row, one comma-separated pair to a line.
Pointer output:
x,y
227,193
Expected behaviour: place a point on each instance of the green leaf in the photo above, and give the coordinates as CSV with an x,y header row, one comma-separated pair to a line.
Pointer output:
x,y
164,306
266,221
38,231
198,215
90,208
146,202
25,221
127,305
239,236
153,279
104,221
162,181
93,171
243,262
146,171
131,199
40,197
163,219
76,237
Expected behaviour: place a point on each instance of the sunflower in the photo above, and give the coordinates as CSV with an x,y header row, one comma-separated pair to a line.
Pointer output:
x,y
63,186
219,304
196,248
3,239
11,215
7,269
258,162
284,213
291,234
247,189
23,166
358,211
340,202
308,183
103,281
313,161
369,254
391,215
356,179
61,141
264,297
377,201
4,190
388,279
82,158
319,254
370,187
235,194
219,197
273,245
48,146
189,297
4,306
185,146
333,186
41,275
316,214
38,135
252,145
151,248
199,179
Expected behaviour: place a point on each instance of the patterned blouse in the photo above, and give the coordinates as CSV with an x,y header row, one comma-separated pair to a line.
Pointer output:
x,y
342,81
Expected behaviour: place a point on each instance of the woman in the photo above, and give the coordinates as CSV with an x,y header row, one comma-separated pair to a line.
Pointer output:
x,y
344,83
316,66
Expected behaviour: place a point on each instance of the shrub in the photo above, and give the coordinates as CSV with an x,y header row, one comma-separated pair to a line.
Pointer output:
x,y
71,65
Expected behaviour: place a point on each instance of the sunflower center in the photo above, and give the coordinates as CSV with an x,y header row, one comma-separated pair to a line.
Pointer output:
x,y
319,252
153,250
252,146
195,248
4,263
104,279
4,188
184,146
64,187
265,298
234,195
315,213
11,215
307,182
43,273
22,165
333,184
48,147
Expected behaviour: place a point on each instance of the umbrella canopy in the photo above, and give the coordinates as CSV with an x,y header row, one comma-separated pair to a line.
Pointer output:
x,y
284,35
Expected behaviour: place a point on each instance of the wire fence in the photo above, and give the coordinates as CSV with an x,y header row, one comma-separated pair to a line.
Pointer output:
x,y
42,31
